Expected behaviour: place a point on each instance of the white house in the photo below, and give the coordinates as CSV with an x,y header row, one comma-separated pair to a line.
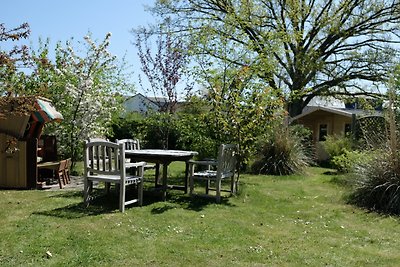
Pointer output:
x,y
142,104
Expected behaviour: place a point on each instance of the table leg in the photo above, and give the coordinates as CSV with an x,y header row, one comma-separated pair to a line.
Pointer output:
x,y
164,181
157,175
186,176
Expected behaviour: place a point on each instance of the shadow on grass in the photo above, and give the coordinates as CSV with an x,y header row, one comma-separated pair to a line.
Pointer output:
x,y
188,203
102,203
197,203
68,194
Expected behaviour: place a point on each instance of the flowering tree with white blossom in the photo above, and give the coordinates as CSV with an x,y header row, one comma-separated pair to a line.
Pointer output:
x,y
85,90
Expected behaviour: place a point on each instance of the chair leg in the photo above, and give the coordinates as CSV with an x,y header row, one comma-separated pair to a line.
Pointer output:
x,y
218,190
191,185
107,186
122,189
140,192
67,177
191,179
233,188
88,187
64,178
60,180
207,186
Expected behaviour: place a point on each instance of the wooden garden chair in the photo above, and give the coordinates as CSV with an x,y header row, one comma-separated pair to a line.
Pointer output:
x,y
60,173
133,144
67,170
224,168
105,162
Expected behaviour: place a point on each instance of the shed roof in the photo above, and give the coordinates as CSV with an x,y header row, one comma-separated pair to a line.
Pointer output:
x,y
346,112
15,124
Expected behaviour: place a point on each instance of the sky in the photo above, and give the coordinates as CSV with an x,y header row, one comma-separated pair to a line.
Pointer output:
x,y
60,20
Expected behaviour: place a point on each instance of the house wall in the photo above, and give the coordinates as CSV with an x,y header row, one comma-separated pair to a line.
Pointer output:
x,y
335,124
139,103
13,167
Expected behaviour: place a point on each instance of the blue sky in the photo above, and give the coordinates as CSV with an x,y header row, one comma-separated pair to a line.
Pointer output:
x,y
61,20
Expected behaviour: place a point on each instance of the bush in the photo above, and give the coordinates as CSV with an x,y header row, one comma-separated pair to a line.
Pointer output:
x,y
172,131
156,130
195,134
337,145
129,126
348,160
377,184
282,153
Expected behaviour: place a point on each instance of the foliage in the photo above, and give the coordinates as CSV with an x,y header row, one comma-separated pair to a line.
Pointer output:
x,y
241,108
182,131
336,145
194,133
130,126
155,130
11,61
300,49
378,180
348,161
160,130
281,152
305,136
377,183
82,85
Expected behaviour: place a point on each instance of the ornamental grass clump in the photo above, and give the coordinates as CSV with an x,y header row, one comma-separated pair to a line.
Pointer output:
x,y
377,184
378,179
281,153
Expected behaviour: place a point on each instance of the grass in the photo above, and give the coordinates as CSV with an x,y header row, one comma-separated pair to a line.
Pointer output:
x,y
274,221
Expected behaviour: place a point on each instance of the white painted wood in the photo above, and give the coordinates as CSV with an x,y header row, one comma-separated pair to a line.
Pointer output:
x,y
217,171
105,162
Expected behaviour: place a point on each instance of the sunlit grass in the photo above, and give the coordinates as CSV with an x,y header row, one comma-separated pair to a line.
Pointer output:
x,y
275,221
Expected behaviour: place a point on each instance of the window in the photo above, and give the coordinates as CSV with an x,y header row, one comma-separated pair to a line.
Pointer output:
x,y
323,132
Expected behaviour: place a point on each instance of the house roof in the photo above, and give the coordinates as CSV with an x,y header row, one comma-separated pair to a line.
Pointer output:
x,y
158,100
339,111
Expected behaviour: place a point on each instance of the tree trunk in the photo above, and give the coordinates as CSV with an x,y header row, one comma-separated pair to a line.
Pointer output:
x,y
295,107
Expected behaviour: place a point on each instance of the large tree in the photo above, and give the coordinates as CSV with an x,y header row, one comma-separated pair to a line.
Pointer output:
x,y
300,48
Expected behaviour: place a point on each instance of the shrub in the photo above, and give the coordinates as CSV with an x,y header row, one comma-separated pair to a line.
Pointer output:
x,y
348,160
195,134
281,154
336,145
129,126
377,184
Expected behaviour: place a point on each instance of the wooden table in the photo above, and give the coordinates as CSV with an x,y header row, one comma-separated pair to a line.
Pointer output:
x,y
49,165
164,157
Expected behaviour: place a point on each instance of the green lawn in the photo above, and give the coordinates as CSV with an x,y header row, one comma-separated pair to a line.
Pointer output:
x,y
275,221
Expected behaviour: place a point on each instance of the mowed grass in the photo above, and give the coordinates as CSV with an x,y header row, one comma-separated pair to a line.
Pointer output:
x,y
274,221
